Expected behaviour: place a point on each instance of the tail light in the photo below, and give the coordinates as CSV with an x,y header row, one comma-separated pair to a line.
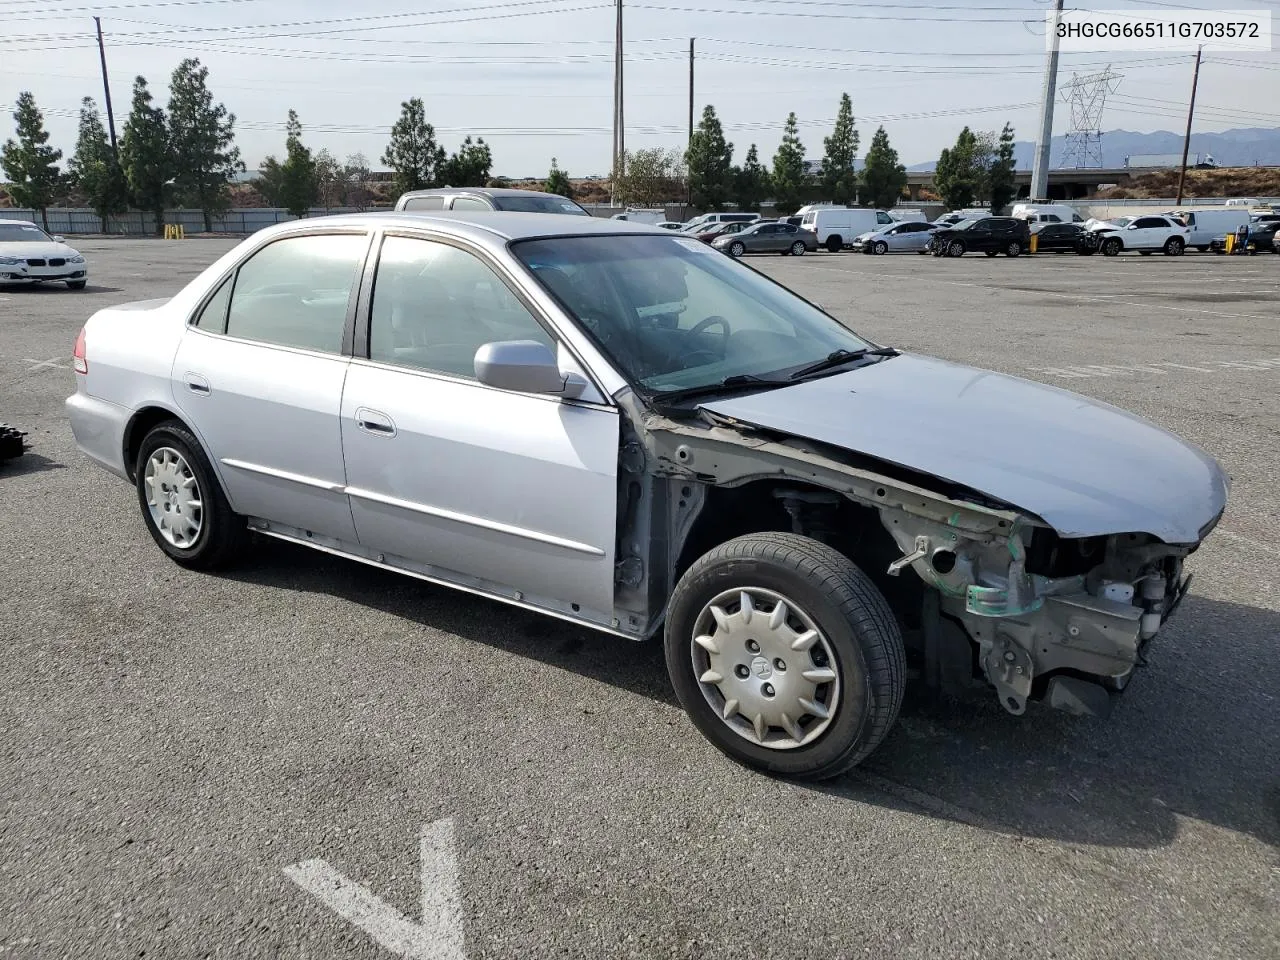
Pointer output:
x,y
78,357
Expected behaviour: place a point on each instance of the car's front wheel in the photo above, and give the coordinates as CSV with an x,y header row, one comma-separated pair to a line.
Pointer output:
x,y
785,655
835,244
737,249
880,248
182,502
1112,247
956,249
798,248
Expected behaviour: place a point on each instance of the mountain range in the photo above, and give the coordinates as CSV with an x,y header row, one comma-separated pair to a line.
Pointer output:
x,y
1243,147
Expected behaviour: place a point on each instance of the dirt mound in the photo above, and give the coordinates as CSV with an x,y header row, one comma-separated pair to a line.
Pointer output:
x,y
1223,182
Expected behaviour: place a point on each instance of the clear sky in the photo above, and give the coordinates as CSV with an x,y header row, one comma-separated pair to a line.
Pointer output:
x,y
534,77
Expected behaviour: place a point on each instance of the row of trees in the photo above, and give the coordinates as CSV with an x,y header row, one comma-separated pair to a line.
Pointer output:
x,y
978,167
714,180
185,153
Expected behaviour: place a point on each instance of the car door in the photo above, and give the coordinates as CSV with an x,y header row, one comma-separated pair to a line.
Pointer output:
x,y
785,236
978,236
764,238
259,375
1146,232
501,490
1049,237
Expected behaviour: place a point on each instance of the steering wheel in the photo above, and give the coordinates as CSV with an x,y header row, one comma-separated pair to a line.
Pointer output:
x,y
712,321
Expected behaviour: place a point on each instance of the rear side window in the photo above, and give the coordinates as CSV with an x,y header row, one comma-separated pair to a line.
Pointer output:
x,y
424,203
213,317
1145,223
294,292
469,203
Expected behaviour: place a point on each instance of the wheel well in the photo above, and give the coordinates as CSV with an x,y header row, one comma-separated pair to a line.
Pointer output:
x,y
832,518
139,426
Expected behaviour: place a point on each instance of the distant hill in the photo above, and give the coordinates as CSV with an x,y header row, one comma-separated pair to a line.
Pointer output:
x,y
1243,147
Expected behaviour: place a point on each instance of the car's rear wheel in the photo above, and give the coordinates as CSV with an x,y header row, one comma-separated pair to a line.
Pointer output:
x,y
835,243
785,655
1014,249
736,249
182,503
76,284
798,248
1174,247
955,249
1112,247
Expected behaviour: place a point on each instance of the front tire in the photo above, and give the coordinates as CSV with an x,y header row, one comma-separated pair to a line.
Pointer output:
x,y
1112,247
798,249
785,655
835,244
183,505
955,249
880,248
736,249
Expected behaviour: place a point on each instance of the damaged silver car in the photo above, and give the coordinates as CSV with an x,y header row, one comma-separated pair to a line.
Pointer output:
x,y
621,428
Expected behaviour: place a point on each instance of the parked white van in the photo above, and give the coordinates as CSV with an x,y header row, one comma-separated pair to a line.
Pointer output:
x,y
1208,224
837,226
1046,213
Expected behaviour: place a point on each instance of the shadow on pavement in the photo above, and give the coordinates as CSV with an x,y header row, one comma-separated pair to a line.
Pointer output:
x,y
28,463
1196,736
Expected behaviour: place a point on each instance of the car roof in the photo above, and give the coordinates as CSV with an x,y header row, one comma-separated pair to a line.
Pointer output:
x,y
481,191
21,223
485,226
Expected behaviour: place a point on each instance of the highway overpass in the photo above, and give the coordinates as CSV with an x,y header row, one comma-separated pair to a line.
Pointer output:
x,y
1070,184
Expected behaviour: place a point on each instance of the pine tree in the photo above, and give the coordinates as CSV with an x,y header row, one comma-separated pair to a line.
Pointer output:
x,y
788,167
883,177
29,162
958,177
298,184
710,163
751,181
839,179
1000,186
558,182
413,152
95,169
469,167
144,153
202,137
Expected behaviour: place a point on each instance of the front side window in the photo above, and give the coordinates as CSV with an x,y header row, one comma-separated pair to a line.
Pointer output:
x,y
435,305
294,292
672,314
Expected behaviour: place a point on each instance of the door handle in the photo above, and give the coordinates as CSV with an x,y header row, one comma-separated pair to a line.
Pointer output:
x,y
197,384
374,421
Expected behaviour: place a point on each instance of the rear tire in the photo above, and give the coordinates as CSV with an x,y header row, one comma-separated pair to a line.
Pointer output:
x,y
1174,247
835,244
853,671
183,505
1014,249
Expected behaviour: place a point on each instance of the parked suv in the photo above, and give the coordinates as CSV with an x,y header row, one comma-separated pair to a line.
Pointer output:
x,y
489,198
990,235
1144,234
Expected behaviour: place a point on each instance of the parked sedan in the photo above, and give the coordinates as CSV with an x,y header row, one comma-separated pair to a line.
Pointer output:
x,y
607,424
723,228
768,237
29,255
1262,238
900,238
1065,238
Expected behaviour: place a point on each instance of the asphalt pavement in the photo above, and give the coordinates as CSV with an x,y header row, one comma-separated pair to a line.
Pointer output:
x,y
172,742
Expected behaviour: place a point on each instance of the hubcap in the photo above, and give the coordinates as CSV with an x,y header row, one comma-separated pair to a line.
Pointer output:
x,y
765,668
173,497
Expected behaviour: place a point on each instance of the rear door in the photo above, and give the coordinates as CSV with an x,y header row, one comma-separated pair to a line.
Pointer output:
x,y
764,238
1147,232
260,374
506,491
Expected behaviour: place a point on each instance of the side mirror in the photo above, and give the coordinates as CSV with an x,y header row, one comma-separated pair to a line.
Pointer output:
x,y
525,366
59,239
1133,226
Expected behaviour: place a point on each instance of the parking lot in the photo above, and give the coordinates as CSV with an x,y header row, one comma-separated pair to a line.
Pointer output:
x,y
173,741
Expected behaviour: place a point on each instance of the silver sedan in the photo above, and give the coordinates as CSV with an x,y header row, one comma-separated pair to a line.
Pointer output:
x,y
900,238
621,428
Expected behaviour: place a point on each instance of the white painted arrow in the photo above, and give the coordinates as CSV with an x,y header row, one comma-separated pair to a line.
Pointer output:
x,y
438,936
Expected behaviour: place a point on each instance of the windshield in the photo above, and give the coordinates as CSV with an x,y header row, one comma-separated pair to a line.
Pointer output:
x,y
540,205
1121,221
963,224
671,313
22,233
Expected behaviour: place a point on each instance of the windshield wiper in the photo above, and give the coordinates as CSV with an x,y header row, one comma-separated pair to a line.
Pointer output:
x,y
727,385
841,357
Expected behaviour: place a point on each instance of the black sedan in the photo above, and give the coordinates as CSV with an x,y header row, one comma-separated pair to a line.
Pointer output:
x,y
1066,238
1262,239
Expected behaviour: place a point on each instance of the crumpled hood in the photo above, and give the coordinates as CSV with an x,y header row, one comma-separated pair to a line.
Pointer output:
x,y
1086,468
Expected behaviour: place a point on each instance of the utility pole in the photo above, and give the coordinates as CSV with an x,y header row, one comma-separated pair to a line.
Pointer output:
x,y
1040,168
1186,141
622,121
691,90
106,87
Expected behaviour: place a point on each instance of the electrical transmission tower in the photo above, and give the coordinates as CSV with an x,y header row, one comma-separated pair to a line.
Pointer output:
x,y
1087,96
